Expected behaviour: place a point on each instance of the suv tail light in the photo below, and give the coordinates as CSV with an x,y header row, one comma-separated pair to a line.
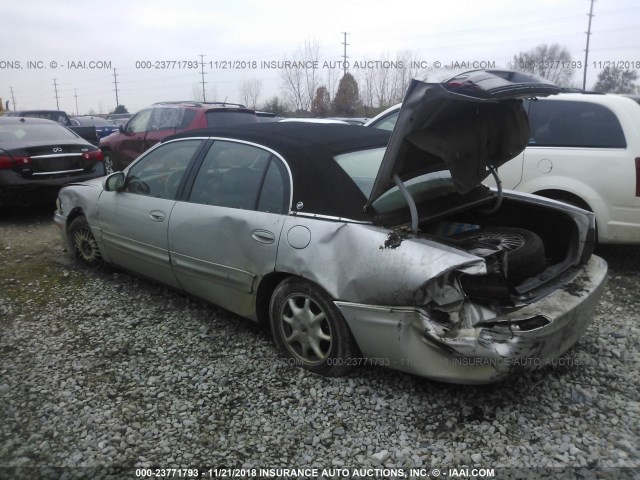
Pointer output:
x,y
637,176
94,155
9,162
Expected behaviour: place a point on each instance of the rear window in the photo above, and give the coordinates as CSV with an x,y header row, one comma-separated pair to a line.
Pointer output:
x,y
226,118
574,124
37,133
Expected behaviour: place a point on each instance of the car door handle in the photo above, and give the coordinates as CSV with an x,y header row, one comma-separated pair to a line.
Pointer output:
x,y
263,236
157,216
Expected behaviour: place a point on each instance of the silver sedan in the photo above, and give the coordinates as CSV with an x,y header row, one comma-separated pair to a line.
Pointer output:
x,y
357,246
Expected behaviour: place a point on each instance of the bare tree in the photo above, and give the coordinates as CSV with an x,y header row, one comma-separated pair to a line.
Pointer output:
x,y
250,92
300,78
196,92
552,62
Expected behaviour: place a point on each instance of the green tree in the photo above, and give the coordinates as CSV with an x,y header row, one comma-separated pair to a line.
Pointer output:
x,y
347,99
121,109
616,80
552,62
321,105
276,106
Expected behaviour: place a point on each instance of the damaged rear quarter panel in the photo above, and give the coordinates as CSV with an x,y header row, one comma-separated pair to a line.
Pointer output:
x,y
350,261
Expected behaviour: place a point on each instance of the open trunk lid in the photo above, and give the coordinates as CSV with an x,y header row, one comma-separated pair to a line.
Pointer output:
x,y
467,125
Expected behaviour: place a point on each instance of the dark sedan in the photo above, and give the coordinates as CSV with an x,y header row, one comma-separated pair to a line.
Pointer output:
x,y
38,157
103,127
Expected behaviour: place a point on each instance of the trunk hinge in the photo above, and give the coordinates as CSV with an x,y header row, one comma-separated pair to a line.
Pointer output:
x,y
412,205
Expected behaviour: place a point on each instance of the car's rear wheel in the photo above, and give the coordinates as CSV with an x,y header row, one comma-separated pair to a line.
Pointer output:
x,y
309,328
83,245
525,250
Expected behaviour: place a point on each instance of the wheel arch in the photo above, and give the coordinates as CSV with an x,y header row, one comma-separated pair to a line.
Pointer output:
x,y
265,291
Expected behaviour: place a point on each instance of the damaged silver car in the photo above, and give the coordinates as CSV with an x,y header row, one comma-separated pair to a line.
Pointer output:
x,y
357,246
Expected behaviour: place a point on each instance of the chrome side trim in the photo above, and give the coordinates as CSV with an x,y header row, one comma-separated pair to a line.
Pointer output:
x,y
58,173
328,217
59,155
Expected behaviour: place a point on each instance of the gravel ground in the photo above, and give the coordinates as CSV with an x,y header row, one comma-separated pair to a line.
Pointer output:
x,y
112,370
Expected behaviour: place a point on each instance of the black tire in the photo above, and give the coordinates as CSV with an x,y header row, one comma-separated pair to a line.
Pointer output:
x,y
308,328
525,250
109,164
83,246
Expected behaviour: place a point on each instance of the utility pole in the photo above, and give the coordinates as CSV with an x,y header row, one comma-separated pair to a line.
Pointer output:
x,y
55,87
586,51
13,98
204,95
75,93
344,56
115,82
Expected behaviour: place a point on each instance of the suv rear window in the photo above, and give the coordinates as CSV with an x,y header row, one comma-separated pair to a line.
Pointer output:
x,y
226,118
574,124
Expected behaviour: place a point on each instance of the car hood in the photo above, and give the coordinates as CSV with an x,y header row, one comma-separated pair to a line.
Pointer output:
x,y
465,125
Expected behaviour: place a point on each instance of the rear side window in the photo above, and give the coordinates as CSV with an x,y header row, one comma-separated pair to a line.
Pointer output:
x,y
574,124
226,118
240,176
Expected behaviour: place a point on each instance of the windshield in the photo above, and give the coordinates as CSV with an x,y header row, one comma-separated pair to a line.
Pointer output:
x,y
362,166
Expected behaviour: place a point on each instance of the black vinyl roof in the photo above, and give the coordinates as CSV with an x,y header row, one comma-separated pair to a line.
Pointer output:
x,y
319,182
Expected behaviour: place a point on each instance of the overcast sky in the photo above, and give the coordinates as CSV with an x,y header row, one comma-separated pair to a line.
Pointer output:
x,y
56,36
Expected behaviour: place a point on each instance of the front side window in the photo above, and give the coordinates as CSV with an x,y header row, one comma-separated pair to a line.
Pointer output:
x,y
159,173
242,176
165,118
574,124
139,122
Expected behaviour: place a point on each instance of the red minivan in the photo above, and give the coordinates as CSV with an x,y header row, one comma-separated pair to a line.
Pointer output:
x,y
151,125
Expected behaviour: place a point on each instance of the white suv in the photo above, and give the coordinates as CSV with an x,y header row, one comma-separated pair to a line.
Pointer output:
x,y
584,149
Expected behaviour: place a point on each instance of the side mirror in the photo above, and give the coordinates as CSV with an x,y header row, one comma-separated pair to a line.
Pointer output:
x,y
114,182
121,128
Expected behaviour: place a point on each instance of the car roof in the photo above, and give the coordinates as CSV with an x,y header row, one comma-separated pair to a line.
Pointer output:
x,y
319,183
296,137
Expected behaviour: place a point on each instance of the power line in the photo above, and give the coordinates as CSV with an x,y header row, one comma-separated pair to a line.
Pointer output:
x,y
586,51
344,55
115,82
55,87
13,98
204,94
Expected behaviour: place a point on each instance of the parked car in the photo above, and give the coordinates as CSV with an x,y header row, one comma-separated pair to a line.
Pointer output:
x,y
103,127
385,120
37,157
357,246
151,125
583,149
267,116
119,118
84,131
351,120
